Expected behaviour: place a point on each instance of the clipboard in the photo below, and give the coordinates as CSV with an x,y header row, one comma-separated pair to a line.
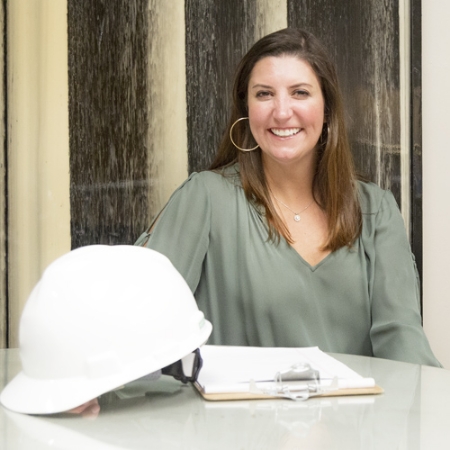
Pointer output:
x,y
253,396
246,373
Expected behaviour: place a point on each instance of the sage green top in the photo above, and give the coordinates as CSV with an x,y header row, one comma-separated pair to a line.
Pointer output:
x,y
362,300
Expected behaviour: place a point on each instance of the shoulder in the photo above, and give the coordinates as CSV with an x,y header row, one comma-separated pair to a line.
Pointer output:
x,y
380,212
373,199
213,182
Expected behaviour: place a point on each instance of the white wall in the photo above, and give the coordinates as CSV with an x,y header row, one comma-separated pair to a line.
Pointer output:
x,y
38,148
436,174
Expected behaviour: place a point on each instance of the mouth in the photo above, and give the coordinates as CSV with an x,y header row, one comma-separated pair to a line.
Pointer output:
x,y
284,132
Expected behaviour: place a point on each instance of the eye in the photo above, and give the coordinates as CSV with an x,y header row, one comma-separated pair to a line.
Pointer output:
x,y
301,93
263,94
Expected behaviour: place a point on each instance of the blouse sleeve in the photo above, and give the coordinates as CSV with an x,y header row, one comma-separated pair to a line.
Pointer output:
x,y
396,331
181,230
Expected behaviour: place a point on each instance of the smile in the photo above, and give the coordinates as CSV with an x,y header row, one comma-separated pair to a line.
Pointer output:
x,y
284,132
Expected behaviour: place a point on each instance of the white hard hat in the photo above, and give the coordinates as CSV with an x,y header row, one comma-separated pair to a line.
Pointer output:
x,y
100,317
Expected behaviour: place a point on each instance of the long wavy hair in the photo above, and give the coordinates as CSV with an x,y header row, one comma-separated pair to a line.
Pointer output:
x,y
334,183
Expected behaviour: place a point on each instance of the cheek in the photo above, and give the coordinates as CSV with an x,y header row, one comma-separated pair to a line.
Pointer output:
x,y
321,112
315,115
253,111
256,118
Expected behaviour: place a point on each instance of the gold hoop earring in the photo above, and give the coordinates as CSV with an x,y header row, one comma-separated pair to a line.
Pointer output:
x,y
234,143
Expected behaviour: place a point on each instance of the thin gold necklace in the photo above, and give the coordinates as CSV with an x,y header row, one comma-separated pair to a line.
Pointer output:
x,y
296,214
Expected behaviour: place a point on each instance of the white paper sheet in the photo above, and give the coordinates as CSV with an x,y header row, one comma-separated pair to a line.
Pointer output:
x,y
231,369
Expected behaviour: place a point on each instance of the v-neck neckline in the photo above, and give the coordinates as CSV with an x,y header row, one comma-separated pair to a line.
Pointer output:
x,y
311,267
261,213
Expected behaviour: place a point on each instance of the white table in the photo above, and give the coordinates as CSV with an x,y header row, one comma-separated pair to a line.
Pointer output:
x,y
413,413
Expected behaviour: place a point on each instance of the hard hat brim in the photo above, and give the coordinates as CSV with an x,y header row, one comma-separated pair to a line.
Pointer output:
x,y
30,395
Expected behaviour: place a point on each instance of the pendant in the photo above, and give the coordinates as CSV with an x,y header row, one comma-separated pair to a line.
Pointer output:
x,y
297,217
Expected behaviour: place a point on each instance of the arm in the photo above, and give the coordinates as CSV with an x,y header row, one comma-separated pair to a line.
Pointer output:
x,y
181,230
396,331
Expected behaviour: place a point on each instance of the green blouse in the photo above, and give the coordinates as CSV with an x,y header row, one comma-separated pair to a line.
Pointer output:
x,y
362,300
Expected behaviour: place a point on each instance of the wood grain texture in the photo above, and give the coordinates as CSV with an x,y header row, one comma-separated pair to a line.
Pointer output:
x,y
108,120
217,35
416,133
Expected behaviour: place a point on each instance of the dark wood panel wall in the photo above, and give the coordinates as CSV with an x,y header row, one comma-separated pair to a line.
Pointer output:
x,y
107,120
110,110
218,34
416,131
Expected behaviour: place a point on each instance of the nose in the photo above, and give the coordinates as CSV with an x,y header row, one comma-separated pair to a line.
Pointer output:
x,y
282,108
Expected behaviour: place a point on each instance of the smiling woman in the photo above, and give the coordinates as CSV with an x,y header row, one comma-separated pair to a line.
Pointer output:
x,y
343,277
287,115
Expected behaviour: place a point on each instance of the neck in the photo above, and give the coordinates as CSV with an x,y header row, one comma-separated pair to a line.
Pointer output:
x,y
290,185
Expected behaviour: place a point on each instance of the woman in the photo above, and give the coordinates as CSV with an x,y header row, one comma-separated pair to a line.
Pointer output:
x,y
279,242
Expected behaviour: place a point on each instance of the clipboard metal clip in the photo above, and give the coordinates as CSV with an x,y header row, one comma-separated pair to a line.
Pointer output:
x,y
298,382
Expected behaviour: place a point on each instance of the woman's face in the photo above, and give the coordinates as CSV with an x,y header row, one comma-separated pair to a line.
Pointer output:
x,y
286,109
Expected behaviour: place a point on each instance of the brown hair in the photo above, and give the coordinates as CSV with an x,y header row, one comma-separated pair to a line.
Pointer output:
x,y
334,184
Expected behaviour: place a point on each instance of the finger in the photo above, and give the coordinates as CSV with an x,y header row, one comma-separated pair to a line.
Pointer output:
x,y
90,407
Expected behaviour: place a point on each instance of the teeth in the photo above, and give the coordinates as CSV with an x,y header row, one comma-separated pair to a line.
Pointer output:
x,y
285,132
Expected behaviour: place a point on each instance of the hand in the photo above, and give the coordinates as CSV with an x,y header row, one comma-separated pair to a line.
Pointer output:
x,y
90,409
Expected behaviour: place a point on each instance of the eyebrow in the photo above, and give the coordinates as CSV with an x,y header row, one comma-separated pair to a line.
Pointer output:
x,y
264,86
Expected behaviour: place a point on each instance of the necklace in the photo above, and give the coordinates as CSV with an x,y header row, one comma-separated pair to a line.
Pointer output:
x,y
296,214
